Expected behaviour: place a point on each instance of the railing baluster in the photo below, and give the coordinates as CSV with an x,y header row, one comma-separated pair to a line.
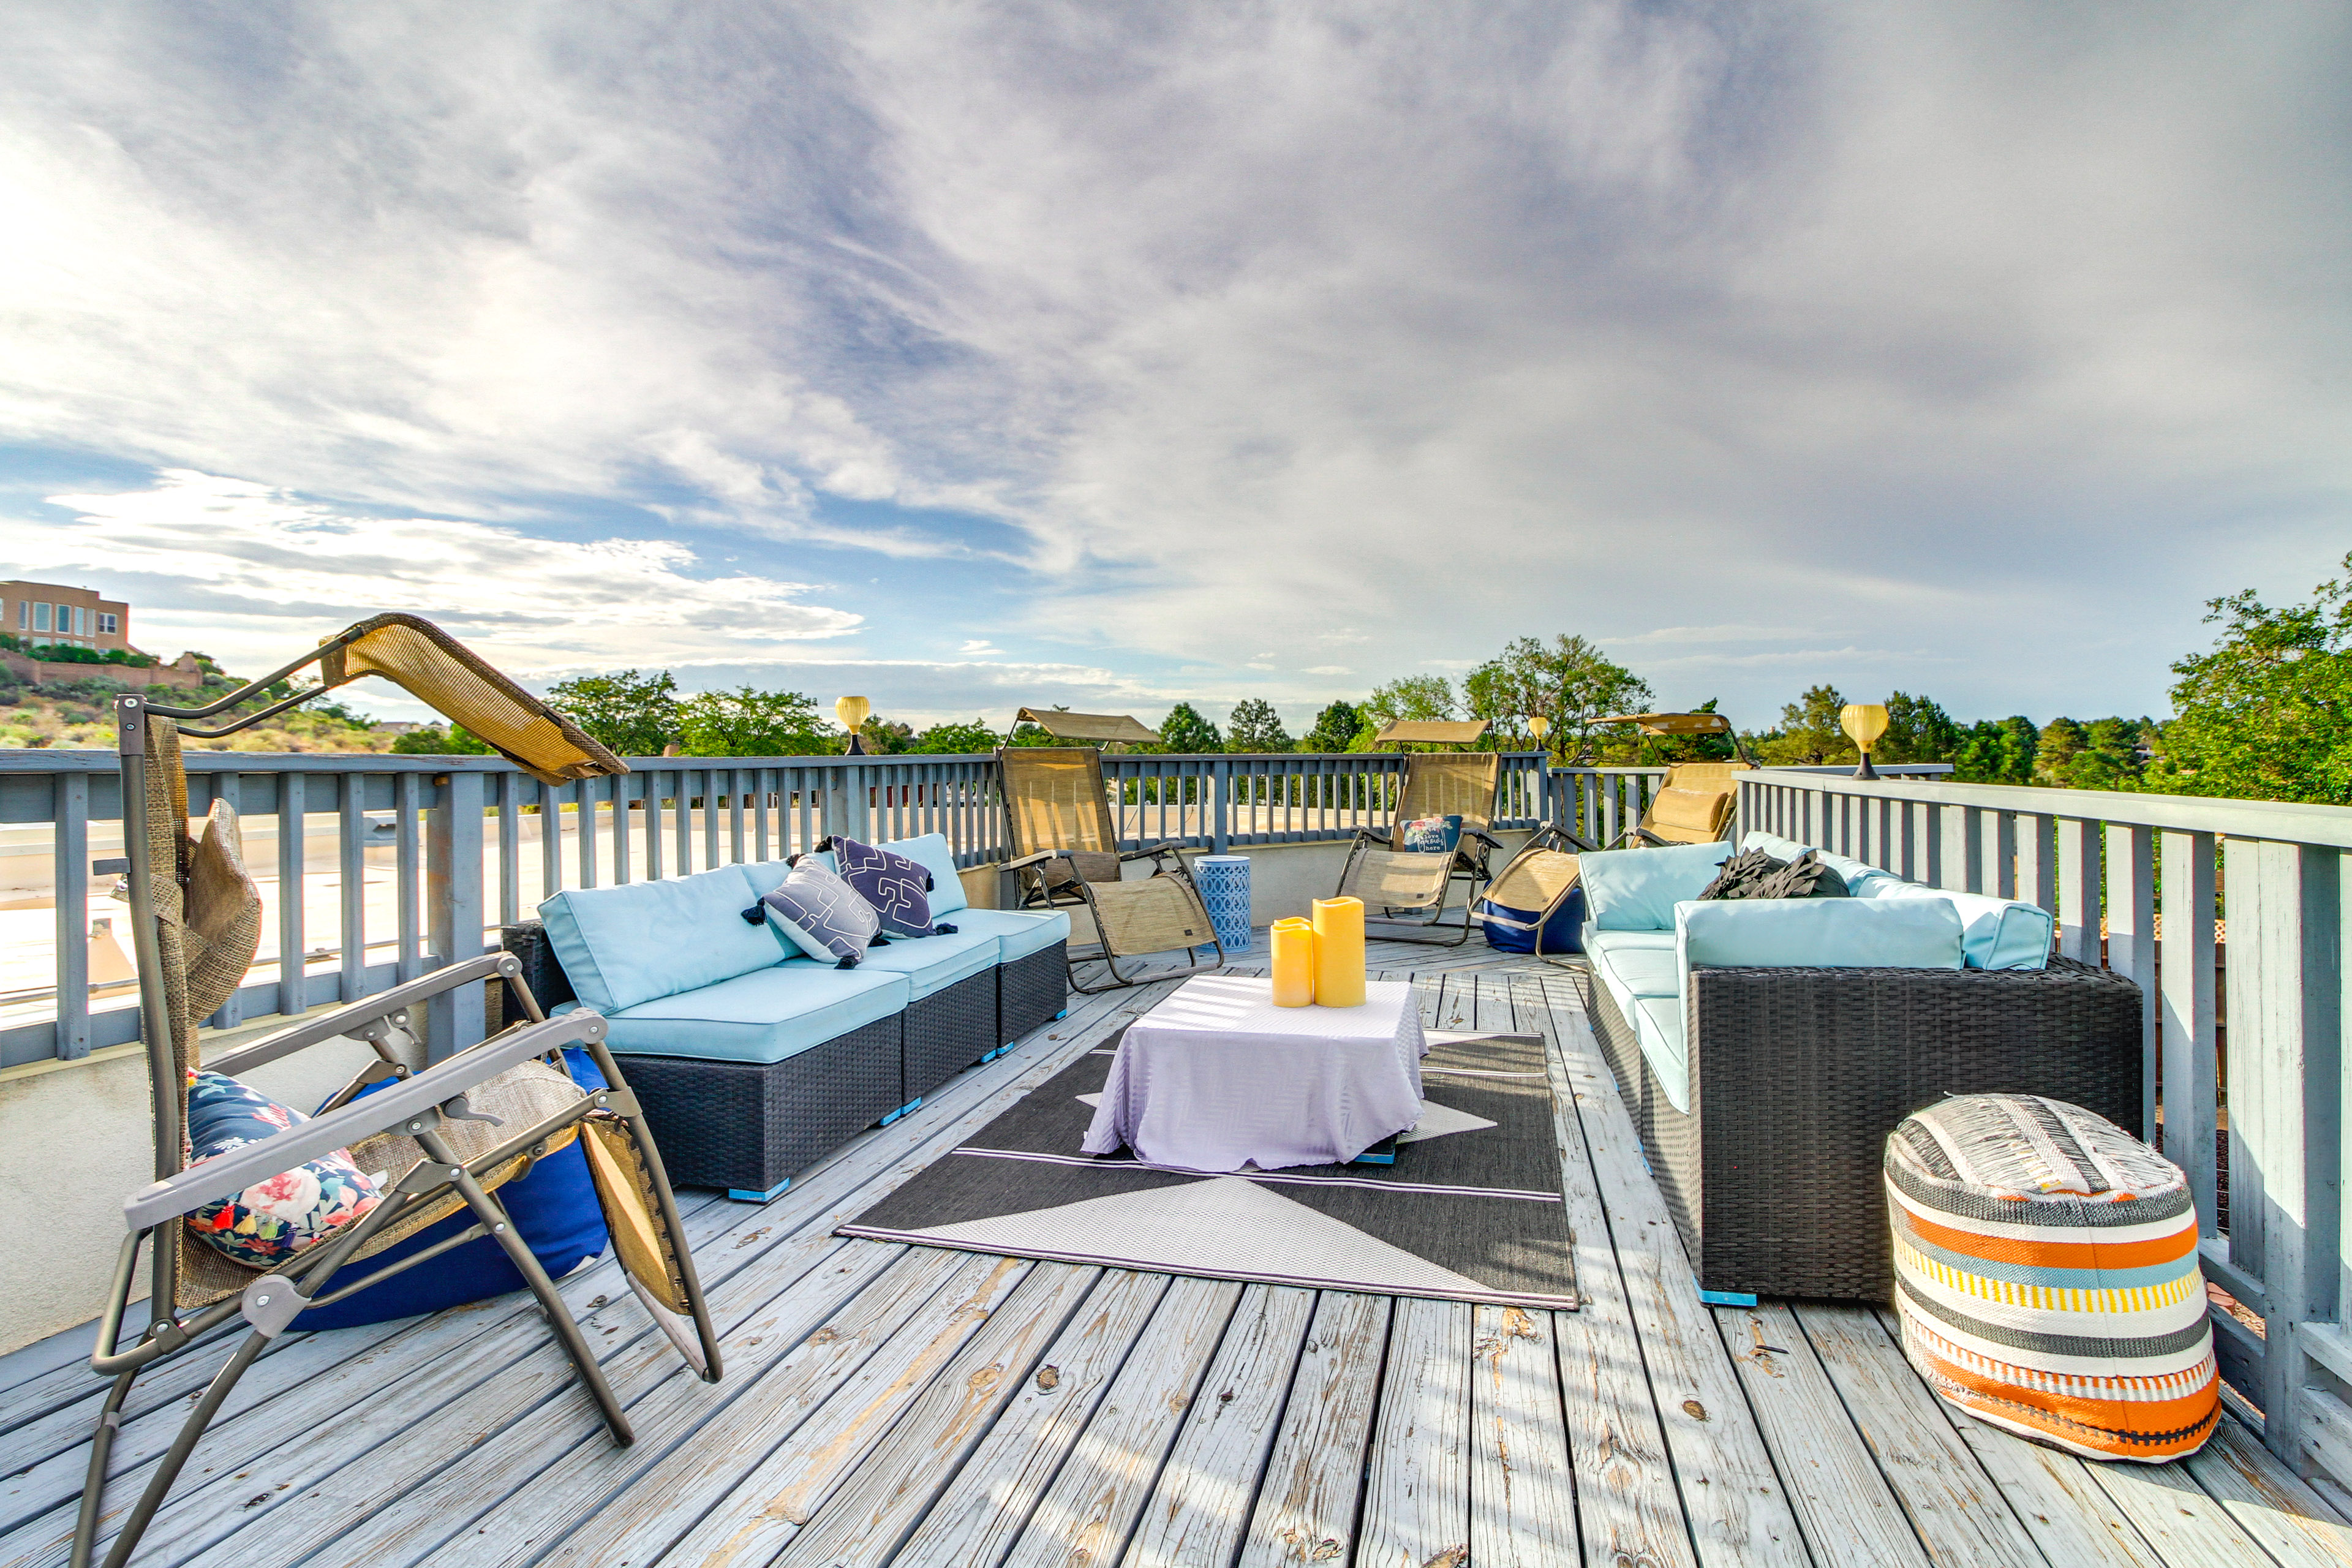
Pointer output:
x,y
2131,941
2078,889
70,849
583,831
510,847
351,886
2037,861
408,878
2191,1064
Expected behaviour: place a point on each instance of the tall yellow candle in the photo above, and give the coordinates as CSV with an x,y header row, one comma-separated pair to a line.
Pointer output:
x,y
1339,952
1294,962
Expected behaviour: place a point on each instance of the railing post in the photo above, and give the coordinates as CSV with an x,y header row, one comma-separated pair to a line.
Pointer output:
x,y
453,894
72,873
2190,1093
1223,777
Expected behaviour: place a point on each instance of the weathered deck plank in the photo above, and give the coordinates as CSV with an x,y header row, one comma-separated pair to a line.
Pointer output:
x,y
1522,1480
1306,1505
1417,1497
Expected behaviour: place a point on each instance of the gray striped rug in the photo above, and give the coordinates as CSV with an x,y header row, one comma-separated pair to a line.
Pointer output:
x,y
1471,1210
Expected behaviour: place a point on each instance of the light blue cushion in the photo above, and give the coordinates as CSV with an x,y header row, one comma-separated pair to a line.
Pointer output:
x,y
930,964
1637,890
1997,933
1017,935
1643,970
620,946
946,887
768,1016
1826,933
1658,1027
1772,843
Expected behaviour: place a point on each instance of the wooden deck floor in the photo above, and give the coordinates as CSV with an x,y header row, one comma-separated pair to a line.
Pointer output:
x,y
893,1405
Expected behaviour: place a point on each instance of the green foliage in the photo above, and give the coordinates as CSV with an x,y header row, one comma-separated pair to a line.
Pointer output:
x,y
66,653
1255,726
884,737
749,723
1335,729
1568,680
1997,751
2267,714
956,738
1027,734
1809,734
436,740
1917,731
1416,697
1185,731
632,714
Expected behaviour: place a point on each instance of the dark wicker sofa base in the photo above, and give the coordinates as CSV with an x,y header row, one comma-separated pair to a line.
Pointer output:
x,y
1032,991
749,1127
947,1032
1797,1076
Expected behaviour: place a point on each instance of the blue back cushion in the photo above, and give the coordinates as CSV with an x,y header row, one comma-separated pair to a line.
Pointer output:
x,y
932,852
1637,890
621,946
1996,933
1826,933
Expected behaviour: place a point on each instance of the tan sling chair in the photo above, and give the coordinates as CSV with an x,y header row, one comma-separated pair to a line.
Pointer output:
x,y
1404,891
1066,856
445,1137
1697,801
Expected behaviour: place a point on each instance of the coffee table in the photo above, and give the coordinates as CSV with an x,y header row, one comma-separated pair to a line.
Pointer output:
x,y
1216,1076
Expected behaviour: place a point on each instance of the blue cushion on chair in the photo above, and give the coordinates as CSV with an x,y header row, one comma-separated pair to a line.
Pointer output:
x,y
554,1210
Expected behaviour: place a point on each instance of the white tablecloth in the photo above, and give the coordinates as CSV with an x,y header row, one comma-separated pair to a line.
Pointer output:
x,y
1217,1077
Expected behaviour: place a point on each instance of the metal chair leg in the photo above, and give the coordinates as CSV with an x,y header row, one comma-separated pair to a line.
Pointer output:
x,y
223,1382
93,1488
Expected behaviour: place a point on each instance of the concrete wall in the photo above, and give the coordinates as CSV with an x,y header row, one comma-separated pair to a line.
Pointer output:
x,y
74,1138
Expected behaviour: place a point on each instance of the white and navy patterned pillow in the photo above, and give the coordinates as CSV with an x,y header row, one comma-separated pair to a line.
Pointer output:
x,y
822,915
899,888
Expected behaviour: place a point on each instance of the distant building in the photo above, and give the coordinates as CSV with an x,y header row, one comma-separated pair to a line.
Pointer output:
x,y
38,612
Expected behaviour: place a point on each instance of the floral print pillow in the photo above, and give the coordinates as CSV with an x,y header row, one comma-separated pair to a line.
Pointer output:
x,y
273,1220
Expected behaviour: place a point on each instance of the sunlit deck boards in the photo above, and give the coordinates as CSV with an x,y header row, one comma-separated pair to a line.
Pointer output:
x,y
894,1405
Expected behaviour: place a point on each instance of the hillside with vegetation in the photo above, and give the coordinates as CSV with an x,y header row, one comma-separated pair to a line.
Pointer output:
x,y
78,713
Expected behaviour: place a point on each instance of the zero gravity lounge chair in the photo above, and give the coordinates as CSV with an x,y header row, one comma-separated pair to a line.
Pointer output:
x,y
1065,852
1695,802
1404,889
433,1142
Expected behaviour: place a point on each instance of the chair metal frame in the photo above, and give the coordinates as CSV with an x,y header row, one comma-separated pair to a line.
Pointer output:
x,y
1469,862
417,1104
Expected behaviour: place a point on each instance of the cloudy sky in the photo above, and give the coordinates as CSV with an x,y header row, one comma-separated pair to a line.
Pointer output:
x,y
965,355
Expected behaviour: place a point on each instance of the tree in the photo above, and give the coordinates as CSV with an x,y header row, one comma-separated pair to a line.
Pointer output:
x,y
633,714
886,737
2267,714
1917,731
434,741
749,723
1255,726
1810,734
2060,742
1569,680
956,738
1996,750
1184,730
1335,729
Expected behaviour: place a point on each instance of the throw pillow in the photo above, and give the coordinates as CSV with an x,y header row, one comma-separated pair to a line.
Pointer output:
x,y
1741,875
820,914
898,888
1430,834
273,1220
1806,876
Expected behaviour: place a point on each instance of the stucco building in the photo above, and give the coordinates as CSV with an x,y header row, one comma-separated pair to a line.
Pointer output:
x,y
53,613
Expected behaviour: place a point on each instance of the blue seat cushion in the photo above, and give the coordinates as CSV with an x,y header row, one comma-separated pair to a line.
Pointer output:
x,y
1637,890
930,964
768,1016
1017,935
1643,970
1658,1027
620,946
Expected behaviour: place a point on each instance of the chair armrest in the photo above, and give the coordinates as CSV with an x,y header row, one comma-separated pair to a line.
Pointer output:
x,y
1152,851
354,1018
1376,835
1023,864
1483,837
307,1141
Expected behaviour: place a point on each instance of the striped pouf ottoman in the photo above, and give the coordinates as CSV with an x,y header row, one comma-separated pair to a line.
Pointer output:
x,y
2046,1277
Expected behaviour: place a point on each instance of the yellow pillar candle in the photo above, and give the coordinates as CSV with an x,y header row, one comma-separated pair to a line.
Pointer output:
x,y
1294,962
1339,952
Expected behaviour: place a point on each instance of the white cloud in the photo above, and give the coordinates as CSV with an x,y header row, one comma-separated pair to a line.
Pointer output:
x,y
1328,669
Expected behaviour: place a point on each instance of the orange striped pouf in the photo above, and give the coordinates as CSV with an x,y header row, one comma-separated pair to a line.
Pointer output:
x,y
2046,1277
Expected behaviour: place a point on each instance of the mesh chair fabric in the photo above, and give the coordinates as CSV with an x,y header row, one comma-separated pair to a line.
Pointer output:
x,y
1438,785
420,657
1386,879
1155,915
1054,799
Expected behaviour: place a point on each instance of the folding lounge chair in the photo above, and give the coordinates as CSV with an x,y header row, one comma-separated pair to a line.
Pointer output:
x,y
445,1137
1065,855
1523,908
1405,890
1696,803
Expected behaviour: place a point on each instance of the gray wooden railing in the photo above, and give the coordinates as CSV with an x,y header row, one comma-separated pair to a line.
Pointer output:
x,y
2268,882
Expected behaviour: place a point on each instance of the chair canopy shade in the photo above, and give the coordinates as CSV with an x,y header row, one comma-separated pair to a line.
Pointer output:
x,y
1065,726
1673,723
1431,732
436,667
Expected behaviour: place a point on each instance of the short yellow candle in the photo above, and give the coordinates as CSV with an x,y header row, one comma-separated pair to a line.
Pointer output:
x,y
1339,952
1294,962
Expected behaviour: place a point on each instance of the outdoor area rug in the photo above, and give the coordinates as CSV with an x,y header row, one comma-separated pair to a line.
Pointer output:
x,y
1471,1210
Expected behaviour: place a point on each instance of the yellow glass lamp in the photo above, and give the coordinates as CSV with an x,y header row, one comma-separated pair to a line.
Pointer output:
x,y
1864,723
1540,726
852,712
1338,953
1293,940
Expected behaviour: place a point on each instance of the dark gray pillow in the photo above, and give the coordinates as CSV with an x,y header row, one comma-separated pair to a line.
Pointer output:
x,y
899,888
822,915
1741,875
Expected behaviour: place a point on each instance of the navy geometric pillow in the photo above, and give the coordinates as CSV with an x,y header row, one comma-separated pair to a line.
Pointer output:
x,y
898,887
821,914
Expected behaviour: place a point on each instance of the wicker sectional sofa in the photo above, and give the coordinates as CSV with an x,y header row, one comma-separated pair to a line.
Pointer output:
x,y
1764,1088
751,1060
